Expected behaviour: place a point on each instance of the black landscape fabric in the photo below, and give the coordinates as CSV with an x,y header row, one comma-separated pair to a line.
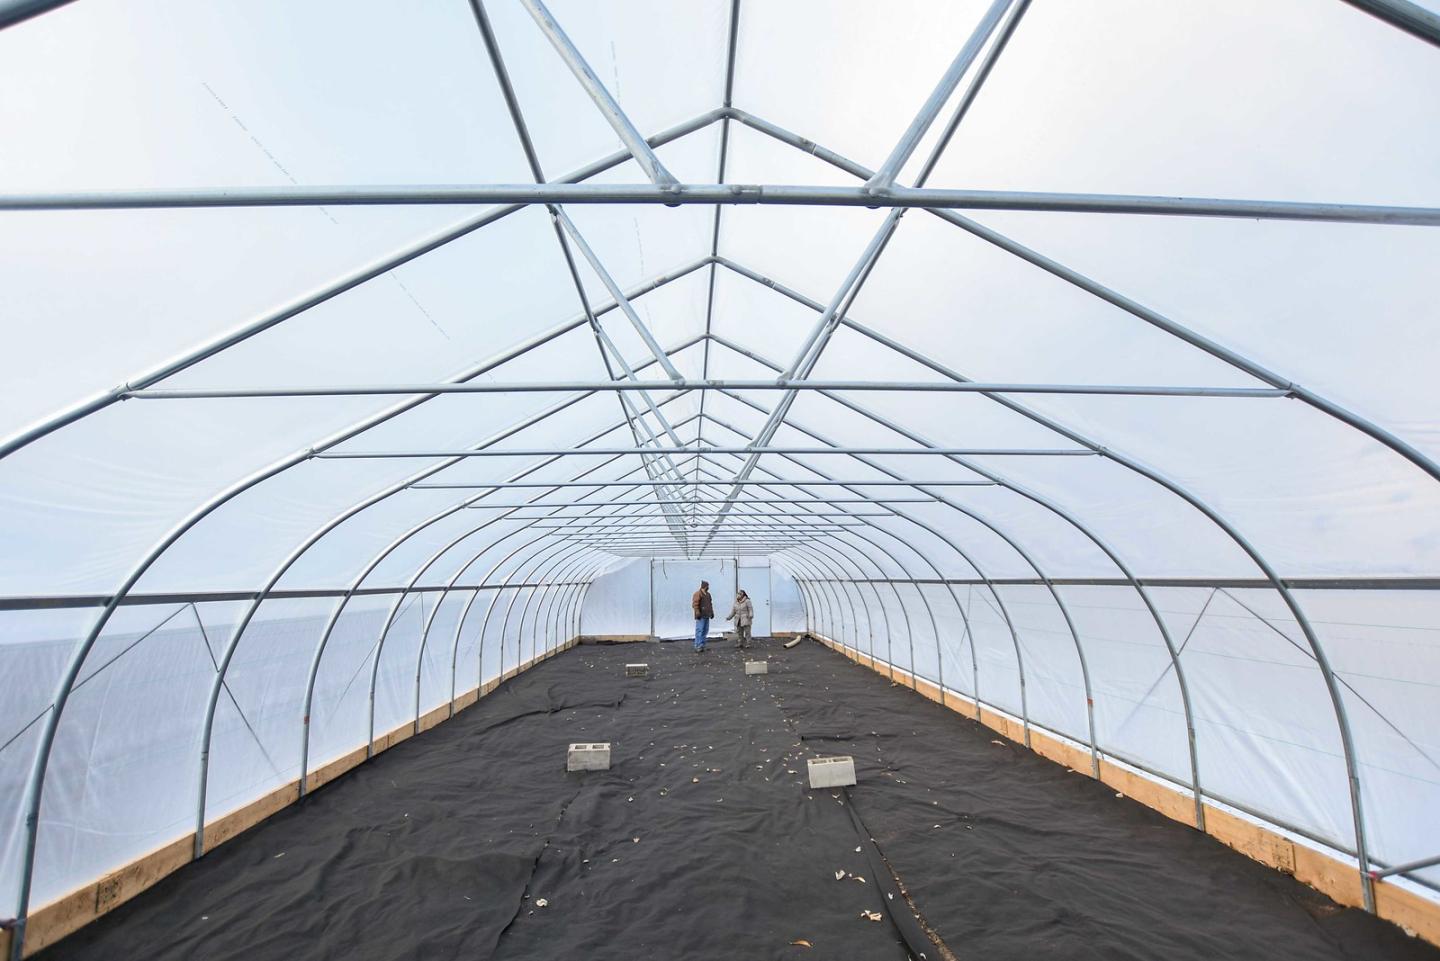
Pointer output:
x,y
703,842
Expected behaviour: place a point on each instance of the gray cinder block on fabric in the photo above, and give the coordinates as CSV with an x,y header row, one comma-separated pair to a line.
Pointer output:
x,y
757,667
831,771
588,757
637,670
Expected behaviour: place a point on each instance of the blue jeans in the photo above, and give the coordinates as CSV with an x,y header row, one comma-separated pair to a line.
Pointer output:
x,y
702,627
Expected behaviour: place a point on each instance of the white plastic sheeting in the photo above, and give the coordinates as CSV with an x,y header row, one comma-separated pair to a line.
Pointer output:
x,y
396,598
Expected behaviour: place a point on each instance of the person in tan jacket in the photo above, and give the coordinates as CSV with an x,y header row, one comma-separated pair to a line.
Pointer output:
x,y
704,609
742,612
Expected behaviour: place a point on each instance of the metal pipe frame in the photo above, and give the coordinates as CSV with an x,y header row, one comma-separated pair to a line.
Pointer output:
x,y
485,623
895,560
1032,496
343,601
511,197
34,785
1271,576
395,609
563,225
238,632
884,178
786,383
904,610
848,483
999,601
375,268
604,102
1403,15
542,560
1240,362
1134,308
1390,10
555,595
299,551
731,48
559,568
459,626
934,624
773,500
691,448
964,617
815,342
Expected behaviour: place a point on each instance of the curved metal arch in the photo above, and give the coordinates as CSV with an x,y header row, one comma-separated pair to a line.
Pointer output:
x,y
1240,362
355,584
935,628
999,601
557,569
817,559
34,785
384,632
1165,636
294,556
740,526
1099,542
574,612
964,617
429,622
796,559
868,621
899,601
420,572
344,599
544,560
801,589
1149,316
455,649
1025,555
555,619
504,585
934,625
305,302
581,575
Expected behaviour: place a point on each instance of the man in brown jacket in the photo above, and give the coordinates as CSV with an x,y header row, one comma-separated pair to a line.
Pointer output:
x,y
704,609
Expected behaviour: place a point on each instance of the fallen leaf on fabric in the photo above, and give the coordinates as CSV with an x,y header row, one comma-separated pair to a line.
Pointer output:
x,y
801,942
871,915
542,903
1001,743
839,875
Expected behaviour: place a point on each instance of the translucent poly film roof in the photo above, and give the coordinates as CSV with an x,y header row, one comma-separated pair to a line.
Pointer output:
x,y
1182,254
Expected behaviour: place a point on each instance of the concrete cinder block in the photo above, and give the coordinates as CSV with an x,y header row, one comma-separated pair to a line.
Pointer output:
x,y
831,771
757,667
637,670
589,757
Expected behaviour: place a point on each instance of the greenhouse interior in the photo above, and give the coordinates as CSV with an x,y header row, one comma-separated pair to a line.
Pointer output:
x,y
722,479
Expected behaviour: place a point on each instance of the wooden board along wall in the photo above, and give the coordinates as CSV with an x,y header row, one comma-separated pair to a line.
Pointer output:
x,y
1417,915
70,912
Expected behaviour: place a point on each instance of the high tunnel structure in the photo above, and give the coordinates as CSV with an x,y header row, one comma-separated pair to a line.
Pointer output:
x,y
1072,363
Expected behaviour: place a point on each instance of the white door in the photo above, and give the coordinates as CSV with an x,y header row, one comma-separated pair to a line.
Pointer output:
x,y
755,581
674,583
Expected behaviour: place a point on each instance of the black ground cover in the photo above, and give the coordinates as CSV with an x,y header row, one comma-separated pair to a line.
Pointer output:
x,y
702,841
